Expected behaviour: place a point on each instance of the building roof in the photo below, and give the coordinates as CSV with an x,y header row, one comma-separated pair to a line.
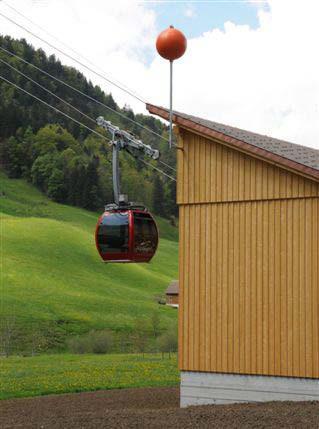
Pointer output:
x,y
303,159
172,288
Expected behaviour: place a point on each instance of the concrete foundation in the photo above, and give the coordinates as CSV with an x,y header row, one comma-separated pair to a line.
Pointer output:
x,y
199,388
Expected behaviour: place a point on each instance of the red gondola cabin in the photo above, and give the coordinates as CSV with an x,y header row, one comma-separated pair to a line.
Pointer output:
x,y
126,235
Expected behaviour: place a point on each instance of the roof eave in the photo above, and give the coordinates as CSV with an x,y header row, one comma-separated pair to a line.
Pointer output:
x,y
255,151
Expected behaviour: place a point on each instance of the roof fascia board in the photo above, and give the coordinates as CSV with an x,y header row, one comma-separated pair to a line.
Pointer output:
x,y
249,153
239,145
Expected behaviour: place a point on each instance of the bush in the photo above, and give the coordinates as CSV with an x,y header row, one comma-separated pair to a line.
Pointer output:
x,y
98,342
168,342
155,324
79,345
140,335
101,341
29,336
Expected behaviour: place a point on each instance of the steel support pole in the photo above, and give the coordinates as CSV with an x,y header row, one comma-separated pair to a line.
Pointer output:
x,y
116,173
171,106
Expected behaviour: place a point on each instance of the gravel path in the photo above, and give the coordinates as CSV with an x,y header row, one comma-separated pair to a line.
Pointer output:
x,y
149,408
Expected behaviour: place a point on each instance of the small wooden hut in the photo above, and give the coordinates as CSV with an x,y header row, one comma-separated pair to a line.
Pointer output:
x,y
172,294
249,265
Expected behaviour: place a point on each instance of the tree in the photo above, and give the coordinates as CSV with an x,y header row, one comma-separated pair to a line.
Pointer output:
x,y
56,186
155,322
101,341
42,169
158,196
91,193
55,135
140,335
75,177
14,158
9,335
27,143
170,199
168,342
54,138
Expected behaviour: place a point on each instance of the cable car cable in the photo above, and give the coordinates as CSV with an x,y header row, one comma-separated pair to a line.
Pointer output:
x,y
77,122
157,169
83,93
119,246
48,91
123,140
85,66
167,165
152,166
67,46
54,108
71,57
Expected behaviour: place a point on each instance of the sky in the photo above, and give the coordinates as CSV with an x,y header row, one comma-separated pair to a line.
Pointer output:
x,y
197,17
250,64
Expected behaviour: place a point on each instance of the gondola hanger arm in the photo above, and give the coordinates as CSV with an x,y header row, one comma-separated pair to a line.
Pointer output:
x,y
125,140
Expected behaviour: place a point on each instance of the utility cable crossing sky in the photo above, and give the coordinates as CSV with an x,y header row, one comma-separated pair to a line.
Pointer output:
x,y
79,123
72,58
52,107
71,87
65,45
102,76
82,93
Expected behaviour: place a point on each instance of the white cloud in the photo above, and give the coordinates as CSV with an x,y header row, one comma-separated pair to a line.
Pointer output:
x,y
264,79
116,35
190,12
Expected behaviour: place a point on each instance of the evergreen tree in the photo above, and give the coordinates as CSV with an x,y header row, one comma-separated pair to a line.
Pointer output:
x,y
61,159
91,193
158,196
27,153
14,157
170,199
75,179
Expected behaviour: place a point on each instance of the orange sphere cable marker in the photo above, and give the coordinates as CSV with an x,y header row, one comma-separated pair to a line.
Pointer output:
x,y
171,44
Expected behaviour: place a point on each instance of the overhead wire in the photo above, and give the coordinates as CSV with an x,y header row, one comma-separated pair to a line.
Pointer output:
x,y
77,61
64,83
157,169
120,86
72,58
151,165
48,91
167,165
44,30
78,122
81,92
52,107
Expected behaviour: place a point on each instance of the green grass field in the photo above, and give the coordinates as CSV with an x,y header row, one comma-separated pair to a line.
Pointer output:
x,y
51,270
64,373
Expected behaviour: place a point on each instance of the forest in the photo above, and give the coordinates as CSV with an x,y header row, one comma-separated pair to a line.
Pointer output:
x,y
63,159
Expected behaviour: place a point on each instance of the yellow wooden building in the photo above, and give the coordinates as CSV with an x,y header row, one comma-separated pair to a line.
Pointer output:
x,y
249,264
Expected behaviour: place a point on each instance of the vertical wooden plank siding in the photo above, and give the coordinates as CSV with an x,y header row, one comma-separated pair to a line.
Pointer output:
x,y
239,311
232,175
249,264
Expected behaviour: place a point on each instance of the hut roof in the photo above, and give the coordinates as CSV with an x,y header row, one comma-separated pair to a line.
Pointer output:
x,y
303,159
172,288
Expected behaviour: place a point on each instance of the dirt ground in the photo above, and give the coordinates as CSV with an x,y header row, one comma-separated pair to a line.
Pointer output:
x,y
149,408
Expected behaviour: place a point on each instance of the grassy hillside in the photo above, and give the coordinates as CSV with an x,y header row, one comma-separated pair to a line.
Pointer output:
x,y
51,270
